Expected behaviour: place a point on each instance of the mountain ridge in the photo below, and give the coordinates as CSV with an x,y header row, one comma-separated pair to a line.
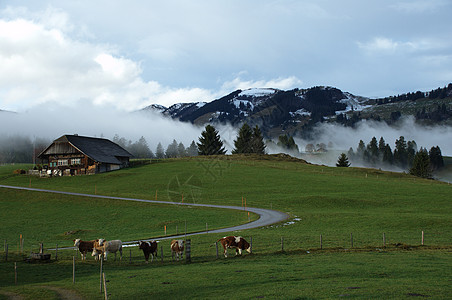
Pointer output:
x,y
293,111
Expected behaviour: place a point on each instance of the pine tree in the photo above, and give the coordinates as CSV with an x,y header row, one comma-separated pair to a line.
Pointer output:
x,y
159,153
210,142
171,151
360,149
411,152
181,151
257,142
342,161
287,142
372,149
436,158
244,139
192,150
401,153
421,164
388,157
381,147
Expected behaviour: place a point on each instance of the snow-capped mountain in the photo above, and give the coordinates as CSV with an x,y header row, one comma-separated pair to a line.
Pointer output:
x,y
272,109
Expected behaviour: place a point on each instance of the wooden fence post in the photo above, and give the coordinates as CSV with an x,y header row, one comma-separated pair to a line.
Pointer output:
x,y
188,251
15,273
282,244
216,247
73,269
251,240
351,239
105,286
207,228
56,252
161,254
384,240
130,256
6,253
422,238
101,272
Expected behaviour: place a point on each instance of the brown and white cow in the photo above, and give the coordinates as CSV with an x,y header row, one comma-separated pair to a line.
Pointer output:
x,y
149,248
177,247
105,247
236,242
84,246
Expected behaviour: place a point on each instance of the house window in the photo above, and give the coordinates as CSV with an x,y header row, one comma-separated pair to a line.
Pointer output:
x,y
62,162
75,161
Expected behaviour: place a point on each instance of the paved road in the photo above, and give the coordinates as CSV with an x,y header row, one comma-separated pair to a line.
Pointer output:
x,y
266,216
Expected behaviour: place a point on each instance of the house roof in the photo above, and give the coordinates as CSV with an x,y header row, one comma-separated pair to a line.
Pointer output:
x,y
98,149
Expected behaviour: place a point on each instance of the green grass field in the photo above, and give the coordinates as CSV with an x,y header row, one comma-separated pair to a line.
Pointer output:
x,y
336,203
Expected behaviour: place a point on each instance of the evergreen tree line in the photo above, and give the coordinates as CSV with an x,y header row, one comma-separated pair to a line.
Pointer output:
x,y
404,156
439,93
140,148
440,113
20,149
248,141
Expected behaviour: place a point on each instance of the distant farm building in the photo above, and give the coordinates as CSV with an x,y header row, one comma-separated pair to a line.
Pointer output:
x,y
76,155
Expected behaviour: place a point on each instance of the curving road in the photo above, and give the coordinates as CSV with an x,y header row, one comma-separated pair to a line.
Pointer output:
x,y
266,216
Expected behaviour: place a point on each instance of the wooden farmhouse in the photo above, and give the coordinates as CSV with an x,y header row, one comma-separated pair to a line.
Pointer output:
x,y
75,155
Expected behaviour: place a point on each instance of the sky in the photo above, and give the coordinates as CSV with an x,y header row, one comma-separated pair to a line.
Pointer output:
x,y
126,55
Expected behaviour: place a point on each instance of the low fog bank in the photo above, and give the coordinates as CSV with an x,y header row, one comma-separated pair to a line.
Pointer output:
x,y
338,139
342,138
52,122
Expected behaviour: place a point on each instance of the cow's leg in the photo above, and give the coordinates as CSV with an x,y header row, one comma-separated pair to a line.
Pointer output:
x,y
115,256
240,251
105,255
225,252
120,253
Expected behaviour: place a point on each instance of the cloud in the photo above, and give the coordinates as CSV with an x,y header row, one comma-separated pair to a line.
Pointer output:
x,y
50,121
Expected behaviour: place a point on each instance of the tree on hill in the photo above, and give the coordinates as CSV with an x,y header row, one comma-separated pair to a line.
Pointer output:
x,y
401,153
140,149
159,152
342,161
192,150
421,164
172,151
244,139
257,141
287,142
210,142
436,158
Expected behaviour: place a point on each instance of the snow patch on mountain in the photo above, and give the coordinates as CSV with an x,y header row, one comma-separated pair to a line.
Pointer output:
x,y
300,112
257,92
244,103
353,103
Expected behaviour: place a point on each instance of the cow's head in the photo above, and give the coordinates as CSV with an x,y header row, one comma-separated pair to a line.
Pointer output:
x,y
181,244
76,242
101,242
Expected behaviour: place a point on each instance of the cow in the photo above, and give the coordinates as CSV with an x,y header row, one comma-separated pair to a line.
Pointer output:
x,y
84,246
236,242
149,248
177,247
105,247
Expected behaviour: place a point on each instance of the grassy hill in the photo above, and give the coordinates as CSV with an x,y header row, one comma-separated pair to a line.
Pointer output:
x,y
340,204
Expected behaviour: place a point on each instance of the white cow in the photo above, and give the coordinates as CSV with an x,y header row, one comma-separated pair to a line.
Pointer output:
x,y
106,247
